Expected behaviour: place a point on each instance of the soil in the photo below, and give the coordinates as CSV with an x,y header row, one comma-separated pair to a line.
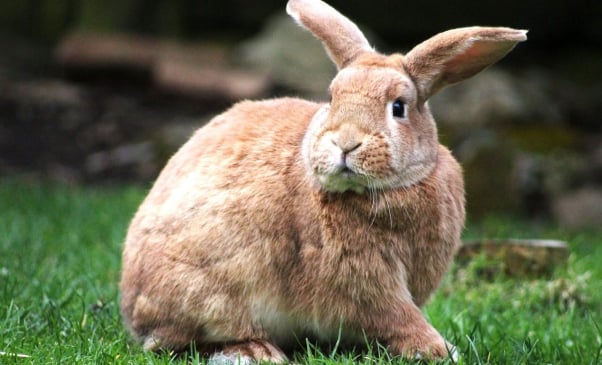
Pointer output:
x,y
58,124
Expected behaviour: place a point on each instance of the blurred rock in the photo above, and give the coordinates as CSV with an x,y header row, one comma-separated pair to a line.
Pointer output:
x,y
497,97
76,132
170,137
488,163
193,70
202,53
106,51
579,209
206,71
63,174
292,57
210,82
564,171
176,133
529,140
521,140
517,257
45,91
556,24
527,178
33,113
140,156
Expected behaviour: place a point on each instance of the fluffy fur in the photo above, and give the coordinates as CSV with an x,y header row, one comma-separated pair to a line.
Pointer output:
x,y
284,219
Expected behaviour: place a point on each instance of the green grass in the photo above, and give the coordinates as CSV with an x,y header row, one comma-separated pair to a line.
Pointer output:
x,y
59,268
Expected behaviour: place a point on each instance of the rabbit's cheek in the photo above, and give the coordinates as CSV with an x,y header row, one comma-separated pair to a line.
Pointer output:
x,y
374,158
375,164
325,157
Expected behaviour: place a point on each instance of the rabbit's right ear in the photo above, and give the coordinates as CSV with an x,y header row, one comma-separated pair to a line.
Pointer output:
x,y
458,54
341,38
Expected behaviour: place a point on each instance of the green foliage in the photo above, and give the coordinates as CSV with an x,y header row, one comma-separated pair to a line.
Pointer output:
x,y
59,268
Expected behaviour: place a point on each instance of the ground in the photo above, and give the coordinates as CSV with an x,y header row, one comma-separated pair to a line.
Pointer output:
x,y
60,263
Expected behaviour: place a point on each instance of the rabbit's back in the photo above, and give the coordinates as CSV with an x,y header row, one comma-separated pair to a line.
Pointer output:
x,y
209,225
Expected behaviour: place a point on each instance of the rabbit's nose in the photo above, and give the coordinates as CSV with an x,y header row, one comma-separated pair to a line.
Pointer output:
x,y
347,139
347,145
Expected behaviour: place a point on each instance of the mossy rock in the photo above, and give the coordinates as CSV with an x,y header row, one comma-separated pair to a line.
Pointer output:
x,y
488,163
542,137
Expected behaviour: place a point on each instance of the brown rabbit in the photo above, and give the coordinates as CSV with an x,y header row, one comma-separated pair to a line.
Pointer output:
x,y
286,219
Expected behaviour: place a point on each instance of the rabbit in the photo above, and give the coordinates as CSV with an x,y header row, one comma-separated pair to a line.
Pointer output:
x,y
288,219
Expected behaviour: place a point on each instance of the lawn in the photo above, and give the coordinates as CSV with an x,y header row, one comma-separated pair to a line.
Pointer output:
x,y
59,268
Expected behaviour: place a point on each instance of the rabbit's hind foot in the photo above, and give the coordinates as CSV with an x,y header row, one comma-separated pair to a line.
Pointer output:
x,y
247,353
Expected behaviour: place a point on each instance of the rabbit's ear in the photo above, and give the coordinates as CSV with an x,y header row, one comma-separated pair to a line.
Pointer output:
x,y
458,54
342,39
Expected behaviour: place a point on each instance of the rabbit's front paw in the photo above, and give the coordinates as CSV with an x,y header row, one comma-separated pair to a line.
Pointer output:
x,y
450,352
424,346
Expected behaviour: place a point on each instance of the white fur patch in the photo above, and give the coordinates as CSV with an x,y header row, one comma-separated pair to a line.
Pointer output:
x,y
293,13
310,135
453,353
287,329
223,359
266,313
151,343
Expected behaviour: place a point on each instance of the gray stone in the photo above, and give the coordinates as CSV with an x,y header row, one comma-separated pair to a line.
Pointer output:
x,y
497,97
135,154
205,70
517,257
292,57
176,131
579,209
95,50
210,82
488,162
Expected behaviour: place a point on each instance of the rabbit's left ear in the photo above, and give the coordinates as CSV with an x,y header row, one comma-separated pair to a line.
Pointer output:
x,y
458,54
341,38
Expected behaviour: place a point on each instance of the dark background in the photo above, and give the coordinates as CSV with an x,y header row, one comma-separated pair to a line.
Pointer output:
x,y
528,132
555,24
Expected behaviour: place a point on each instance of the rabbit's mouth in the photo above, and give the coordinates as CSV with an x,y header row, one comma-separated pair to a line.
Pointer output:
x,y
343,179
347,173
344,171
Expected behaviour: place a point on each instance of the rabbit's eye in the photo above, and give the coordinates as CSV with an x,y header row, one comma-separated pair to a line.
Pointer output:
x,y
399,109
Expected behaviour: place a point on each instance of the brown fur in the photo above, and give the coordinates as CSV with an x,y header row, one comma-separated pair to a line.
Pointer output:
x,y
252,237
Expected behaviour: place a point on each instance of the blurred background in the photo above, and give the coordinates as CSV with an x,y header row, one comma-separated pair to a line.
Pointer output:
x,y
104,91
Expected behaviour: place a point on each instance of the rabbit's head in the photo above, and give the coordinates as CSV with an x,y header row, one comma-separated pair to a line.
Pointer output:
x,y
377,132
